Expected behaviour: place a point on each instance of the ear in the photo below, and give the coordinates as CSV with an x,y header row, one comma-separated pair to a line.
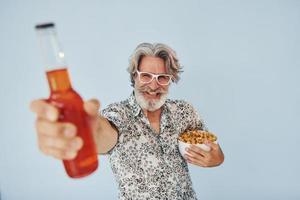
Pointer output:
x,y
134,77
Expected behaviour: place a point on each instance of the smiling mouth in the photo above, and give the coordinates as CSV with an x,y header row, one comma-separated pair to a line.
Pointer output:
x,y
152,94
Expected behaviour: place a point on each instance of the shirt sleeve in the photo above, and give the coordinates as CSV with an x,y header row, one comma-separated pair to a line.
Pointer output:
x,y
116,117
190,117
114,114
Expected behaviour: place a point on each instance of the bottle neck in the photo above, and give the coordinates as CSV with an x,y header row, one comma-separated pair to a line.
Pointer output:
x,y
50,48
59,80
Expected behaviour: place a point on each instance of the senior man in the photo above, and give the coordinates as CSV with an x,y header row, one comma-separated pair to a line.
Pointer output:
x,y
140,133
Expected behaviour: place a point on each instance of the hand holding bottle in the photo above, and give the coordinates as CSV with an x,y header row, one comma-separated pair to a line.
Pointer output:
x,y
68,128
59,139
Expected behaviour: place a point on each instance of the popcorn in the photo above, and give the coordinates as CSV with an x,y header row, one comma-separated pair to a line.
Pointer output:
x,y
196,137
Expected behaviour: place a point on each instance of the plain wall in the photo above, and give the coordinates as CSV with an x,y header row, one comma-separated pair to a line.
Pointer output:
x,y
241,71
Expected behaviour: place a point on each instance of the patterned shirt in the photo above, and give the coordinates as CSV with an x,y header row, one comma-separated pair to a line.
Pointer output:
x,y
146,164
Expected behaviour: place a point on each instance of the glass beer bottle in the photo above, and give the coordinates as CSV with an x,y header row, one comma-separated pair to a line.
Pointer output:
x,y
67,100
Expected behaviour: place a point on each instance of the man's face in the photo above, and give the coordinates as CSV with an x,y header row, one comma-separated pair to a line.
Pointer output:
x,y
151,96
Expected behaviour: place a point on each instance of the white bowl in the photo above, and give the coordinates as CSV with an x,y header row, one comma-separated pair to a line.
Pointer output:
x,y
182,146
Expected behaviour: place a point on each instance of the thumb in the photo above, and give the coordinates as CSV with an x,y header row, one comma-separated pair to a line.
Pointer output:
x,y
92,107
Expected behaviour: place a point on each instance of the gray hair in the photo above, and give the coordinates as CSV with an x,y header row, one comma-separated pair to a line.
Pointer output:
x,y
158,50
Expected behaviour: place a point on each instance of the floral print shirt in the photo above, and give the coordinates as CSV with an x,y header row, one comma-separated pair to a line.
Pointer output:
x,y
146,164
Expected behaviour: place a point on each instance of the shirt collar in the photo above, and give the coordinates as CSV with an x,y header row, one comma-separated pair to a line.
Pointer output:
x,y
135,107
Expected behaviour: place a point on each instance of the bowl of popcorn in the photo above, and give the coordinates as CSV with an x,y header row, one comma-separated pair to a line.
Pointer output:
x,y
195,137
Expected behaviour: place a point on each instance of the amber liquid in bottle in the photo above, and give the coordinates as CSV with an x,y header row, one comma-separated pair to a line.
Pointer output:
x,y
70,106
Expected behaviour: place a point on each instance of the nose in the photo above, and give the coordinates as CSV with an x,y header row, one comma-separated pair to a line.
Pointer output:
x,y
154,84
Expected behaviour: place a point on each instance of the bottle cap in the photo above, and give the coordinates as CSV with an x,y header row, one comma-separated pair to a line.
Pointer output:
x,y
45,25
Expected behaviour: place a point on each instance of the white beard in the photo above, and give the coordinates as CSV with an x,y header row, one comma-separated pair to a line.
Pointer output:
x,y
150,105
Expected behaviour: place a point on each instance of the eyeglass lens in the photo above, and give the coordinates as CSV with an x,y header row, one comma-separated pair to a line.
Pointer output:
x,y
147,78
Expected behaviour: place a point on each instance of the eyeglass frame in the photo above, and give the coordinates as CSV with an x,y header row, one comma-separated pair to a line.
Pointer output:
x,y
155,76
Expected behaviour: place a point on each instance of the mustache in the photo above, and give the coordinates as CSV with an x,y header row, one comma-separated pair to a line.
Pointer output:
x,y
148,89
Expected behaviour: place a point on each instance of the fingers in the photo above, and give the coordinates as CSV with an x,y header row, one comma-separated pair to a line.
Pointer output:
x,y
59,154
60,147
213,145
197,156
49,128
44,110
73,144
197,150
58,139
199,162
92,107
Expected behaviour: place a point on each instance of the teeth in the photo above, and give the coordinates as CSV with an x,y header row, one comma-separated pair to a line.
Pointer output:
x,y
152,93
